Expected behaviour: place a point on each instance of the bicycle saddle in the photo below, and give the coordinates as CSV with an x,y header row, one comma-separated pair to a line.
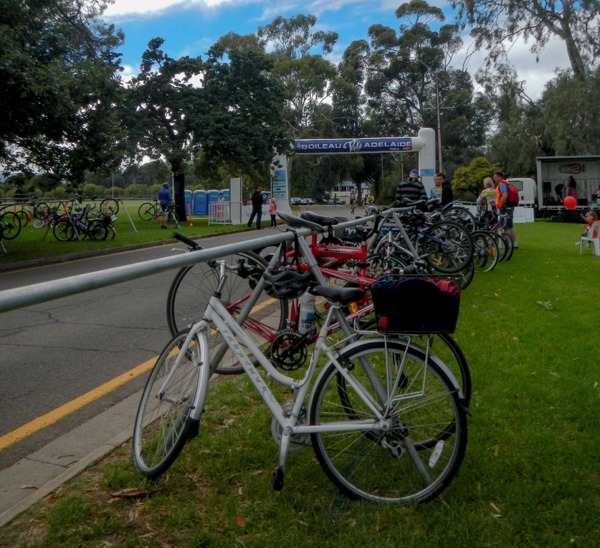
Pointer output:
x,y
341,295
319,219
297,222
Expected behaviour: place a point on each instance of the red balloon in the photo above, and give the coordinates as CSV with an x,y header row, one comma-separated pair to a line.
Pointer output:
x,y
570,202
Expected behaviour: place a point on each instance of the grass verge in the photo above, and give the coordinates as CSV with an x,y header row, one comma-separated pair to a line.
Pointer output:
x,y
40,243
530,475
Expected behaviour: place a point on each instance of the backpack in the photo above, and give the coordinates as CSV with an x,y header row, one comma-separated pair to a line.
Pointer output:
x,y
512,195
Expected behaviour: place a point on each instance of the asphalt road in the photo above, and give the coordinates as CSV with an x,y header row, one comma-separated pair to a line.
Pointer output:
x,y
55,352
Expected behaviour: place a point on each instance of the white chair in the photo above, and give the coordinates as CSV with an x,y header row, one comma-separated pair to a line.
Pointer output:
x,y
594,243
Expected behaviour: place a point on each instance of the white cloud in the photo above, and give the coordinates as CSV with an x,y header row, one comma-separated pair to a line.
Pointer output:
x,y
130,7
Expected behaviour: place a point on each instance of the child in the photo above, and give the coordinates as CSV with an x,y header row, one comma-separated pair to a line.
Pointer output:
x,y
273,212
590,217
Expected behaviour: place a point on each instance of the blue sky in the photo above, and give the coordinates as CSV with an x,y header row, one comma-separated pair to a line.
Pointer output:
x,y
190,27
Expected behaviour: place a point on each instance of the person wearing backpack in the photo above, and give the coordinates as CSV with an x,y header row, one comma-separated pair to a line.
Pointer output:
x,y
506,204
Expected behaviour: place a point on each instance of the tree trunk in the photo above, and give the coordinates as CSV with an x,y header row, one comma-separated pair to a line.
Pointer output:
x,y
179,192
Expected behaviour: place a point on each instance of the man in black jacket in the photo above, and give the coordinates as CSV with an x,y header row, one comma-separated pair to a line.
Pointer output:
x,y
257,203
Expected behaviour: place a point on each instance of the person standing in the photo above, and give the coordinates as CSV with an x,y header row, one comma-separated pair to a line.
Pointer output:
x,y
257,203
486,202
447,195
505,213
165,198
273,212
411,189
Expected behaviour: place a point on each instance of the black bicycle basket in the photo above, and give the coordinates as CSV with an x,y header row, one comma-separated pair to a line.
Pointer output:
x,y
416,305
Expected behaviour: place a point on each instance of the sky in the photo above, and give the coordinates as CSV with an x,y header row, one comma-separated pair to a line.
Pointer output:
x,y
190,27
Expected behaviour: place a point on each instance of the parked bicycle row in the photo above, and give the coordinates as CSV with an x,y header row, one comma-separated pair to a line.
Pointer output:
x,y
385,416
68,219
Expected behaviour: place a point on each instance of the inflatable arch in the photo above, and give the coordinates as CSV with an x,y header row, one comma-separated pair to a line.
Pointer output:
x,y
423,143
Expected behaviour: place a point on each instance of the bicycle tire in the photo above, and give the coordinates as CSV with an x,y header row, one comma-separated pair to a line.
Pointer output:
x,y
510,247
462,215
446,246
23,217
413,459
147,211
97,230
161,426
485,251
109,205
40,211
63,230
11,225
192,288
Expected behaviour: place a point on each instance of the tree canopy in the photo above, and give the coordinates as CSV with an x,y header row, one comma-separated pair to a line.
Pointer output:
x,y
58,86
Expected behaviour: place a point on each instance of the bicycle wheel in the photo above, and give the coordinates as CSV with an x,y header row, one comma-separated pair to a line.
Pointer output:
x,y
147,211
97,230
510,246
461,215
40,211
420,448
446,246
193,287
109,206
23,215
161,424
485,251
63,230
11,225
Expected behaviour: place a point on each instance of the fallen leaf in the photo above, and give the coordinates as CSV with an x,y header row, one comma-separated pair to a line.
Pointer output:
x,y
240,520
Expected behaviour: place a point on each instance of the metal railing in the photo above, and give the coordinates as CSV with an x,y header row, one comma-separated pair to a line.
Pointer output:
x,y
12,299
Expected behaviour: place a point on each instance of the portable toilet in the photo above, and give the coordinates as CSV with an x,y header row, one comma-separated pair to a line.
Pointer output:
x,y
224,195
213,196
200,202
187,195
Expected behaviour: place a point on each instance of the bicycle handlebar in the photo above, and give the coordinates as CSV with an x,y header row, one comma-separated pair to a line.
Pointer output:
x,y
193,245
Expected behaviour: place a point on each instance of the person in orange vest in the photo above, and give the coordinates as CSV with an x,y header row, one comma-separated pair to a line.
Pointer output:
x,y
505,213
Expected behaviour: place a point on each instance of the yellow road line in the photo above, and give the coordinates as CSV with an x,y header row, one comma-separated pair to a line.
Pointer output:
x,y
74,405
61,412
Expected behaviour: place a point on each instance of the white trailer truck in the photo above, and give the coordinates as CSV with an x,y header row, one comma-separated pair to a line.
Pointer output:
x,y
553,174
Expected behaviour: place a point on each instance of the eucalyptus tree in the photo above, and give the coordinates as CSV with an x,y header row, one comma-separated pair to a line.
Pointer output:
x,y
58,86
305,74
411,83
496,25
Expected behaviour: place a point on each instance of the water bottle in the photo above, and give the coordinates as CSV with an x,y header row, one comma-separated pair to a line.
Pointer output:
x,y
306,317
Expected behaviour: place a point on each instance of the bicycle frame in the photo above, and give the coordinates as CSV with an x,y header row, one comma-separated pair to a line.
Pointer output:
x,y
217,317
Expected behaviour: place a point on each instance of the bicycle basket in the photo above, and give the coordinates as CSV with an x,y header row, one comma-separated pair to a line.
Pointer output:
x,y
416,305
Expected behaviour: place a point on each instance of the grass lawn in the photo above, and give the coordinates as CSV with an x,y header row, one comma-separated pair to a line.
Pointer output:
x,y
531,474
40,243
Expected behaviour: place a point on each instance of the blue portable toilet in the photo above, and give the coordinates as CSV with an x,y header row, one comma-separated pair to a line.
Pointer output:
x,y
187,194
200,202
224,194
213,196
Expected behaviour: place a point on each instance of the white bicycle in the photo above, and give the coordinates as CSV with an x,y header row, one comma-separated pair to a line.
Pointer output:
x,y
386,418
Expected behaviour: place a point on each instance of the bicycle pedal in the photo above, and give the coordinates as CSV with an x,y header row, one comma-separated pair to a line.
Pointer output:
x,y
277,479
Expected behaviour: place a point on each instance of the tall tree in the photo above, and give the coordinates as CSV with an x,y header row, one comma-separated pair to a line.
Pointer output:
x,y
305,75
239,119
497,23
158,112
58,86
412,84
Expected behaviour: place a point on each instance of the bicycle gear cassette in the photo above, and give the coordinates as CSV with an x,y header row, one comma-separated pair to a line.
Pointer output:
x,y
289,350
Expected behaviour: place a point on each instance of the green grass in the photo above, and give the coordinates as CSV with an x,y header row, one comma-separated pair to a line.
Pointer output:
x,y
40,243
530,475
